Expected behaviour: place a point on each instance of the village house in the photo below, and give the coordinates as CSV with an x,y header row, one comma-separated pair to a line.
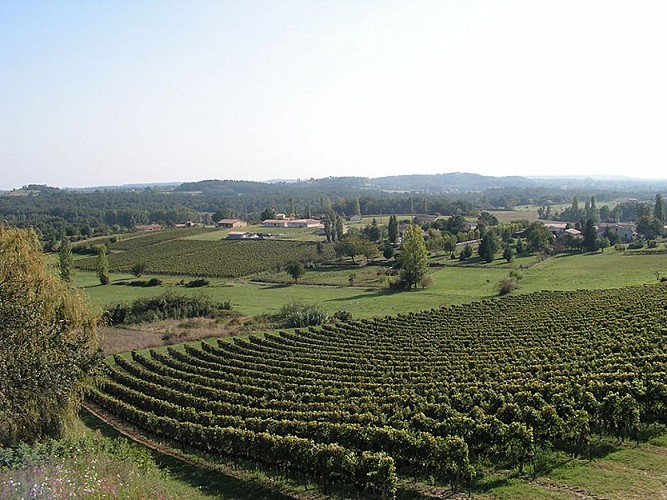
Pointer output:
x,y
231,223
624,232
274,223
303,223
239,235
556,228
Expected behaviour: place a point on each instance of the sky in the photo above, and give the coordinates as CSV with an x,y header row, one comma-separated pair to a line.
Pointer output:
x,y
97,93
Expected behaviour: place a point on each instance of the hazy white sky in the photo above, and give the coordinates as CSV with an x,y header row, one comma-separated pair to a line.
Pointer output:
x,y
99,92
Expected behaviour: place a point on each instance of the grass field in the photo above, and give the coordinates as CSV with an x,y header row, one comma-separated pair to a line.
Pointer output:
x,y
451,285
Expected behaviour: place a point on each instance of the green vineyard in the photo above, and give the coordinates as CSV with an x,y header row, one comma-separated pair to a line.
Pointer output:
x,y
165,252
440,393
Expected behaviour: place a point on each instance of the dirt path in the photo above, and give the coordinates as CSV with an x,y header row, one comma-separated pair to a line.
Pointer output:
x,y
572,490
138,437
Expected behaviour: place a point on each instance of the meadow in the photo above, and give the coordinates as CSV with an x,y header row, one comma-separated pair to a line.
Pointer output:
x,y
455,284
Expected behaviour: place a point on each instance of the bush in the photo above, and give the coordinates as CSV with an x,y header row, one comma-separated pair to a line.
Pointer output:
x,y
196,283
341,316
507,285
426,281
165,306
297,315
141,283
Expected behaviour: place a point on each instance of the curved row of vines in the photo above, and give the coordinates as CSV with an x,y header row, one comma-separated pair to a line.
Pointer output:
x,y
429,394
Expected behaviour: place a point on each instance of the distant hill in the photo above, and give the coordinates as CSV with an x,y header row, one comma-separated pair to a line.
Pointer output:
x,y
438,183
448,183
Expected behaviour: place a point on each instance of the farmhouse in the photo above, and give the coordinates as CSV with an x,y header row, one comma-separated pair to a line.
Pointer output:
x,y
230,223
274,223
146,227
624,232
303,223
239,235
556,228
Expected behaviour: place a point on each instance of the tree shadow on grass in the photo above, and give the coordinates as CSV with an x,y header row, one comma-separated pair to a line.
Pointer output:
x,y
277,286
372,293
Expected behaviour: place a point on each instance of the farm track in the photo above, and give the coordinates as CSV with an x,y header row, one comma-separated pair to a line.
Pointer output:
x,y
141,438
572,490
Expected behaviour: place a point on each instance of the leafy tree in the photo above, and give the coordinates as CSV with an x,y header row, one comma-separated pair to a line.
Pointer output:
x,y
340,228
659,209
357,207
590,237
538,237
296,270
593,213
414,257
387,249
372,231
65,261
328,230
466,253
649,227
508,254
102,265
488,246
369,250
544,212
393,229
355,245
268,213
138,269
457,224
48,351
487,219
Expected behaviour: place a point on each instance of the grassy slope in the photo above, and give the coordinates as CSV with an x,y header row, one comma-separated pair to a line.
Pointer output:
x,y
451,285
625,473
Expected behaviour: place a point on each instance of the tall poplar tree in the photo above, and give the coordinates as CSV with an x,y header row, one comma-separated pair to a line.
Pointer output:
x,y
659,210
102,265
65,261
414,257
392,229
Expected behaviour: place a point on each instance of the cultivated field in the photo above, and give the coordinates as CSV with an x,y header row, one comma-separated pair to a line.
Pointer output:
x,y
446,394
166,252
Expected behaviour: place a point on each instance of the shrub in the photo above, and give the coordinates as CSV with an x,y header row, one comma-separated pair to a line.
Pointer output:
x,y
426,281
297,315
165,306
507,285
196,283
341,316
141,283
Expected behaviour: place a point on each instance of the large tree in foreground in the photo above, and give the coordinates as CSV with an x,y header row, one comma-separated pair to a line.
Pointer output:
x,y
48,344
414,257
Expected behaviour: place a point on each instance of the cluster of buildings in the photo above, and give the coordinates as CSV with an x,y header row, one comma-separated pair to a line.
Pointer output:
x,y
624,231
